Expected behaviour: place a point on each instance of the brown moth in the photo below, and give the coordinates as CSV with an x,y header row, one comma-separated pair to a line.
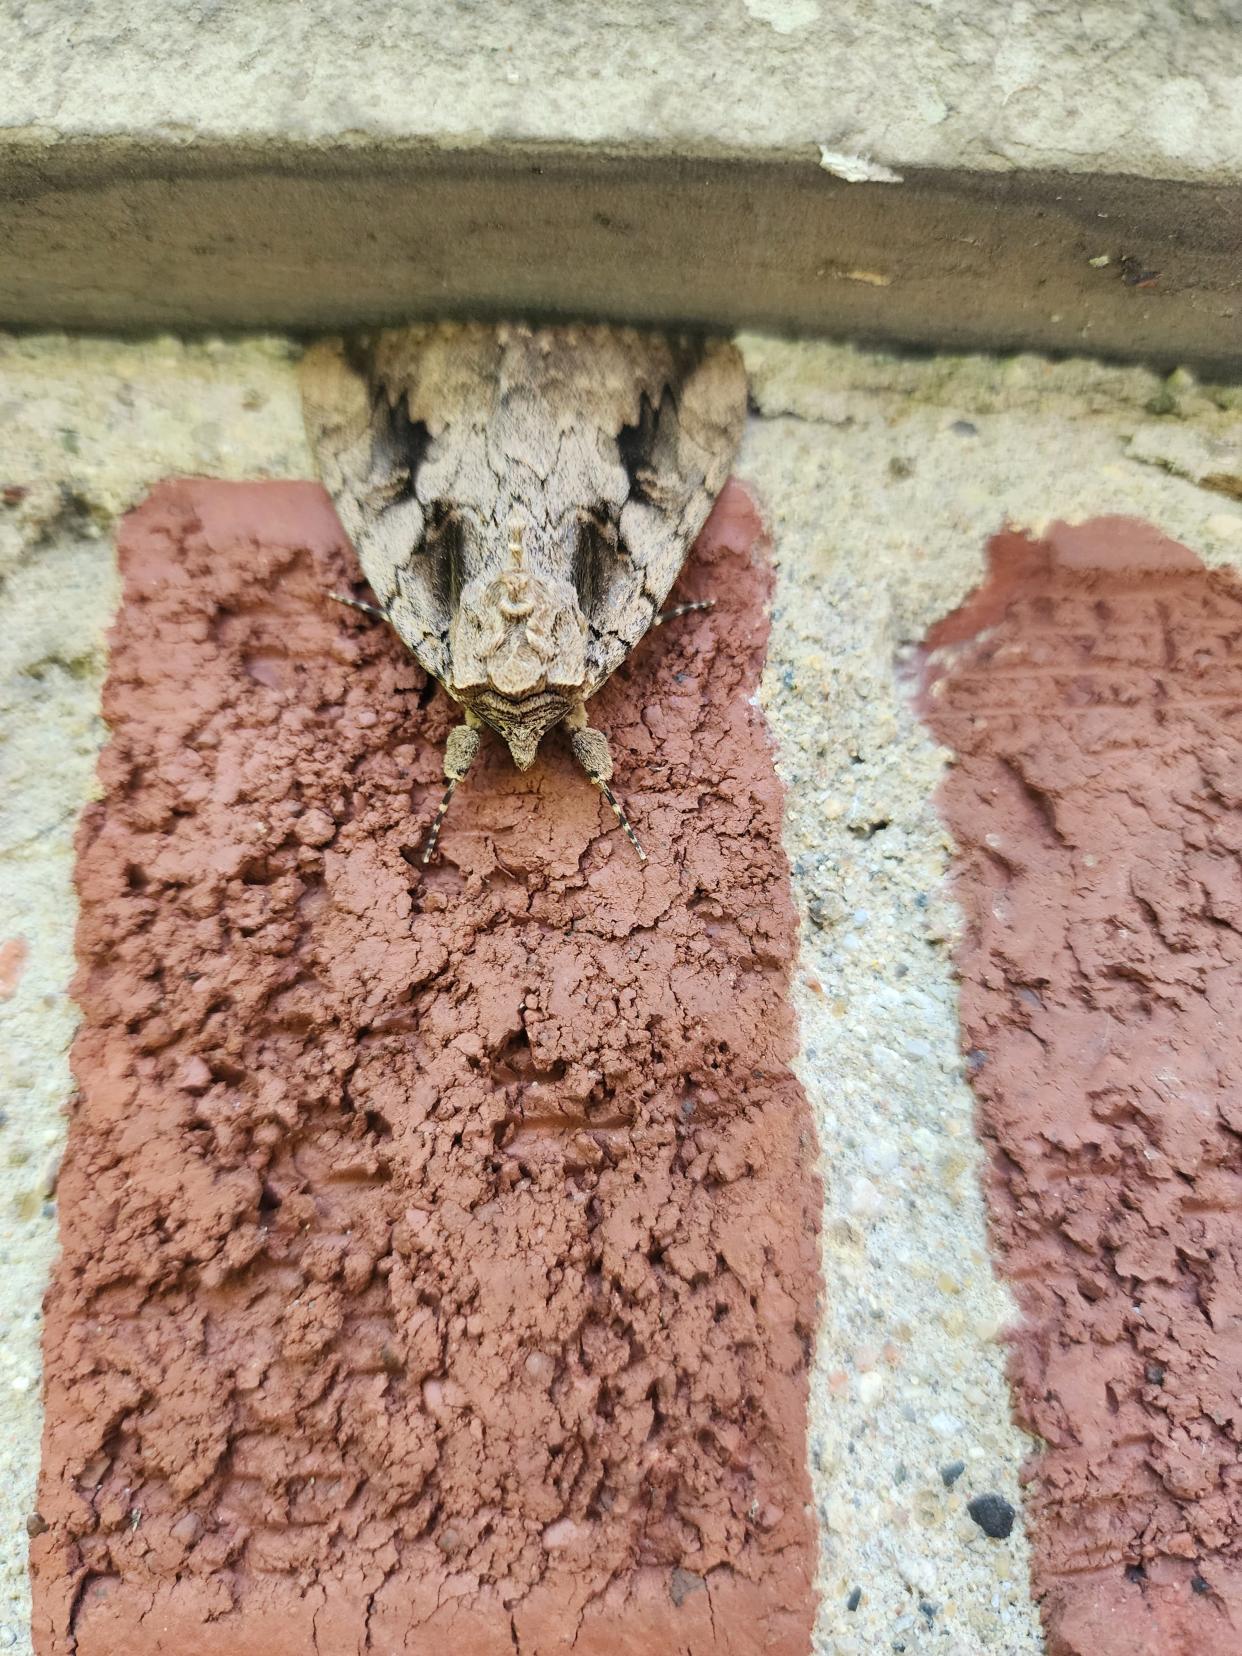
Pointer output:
x,y
521,500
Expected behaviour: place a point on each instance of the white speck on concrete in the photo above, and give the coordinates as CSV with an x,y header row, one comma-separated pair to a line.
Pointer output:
x,y
856,169
785,16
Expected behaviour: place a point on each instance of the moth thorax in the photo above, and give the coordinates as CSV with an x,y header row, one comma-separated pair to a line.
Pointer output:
x,y
518,632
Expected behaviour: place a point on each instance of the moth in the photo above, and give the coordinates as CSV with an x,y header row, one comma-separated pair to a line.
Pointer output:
x,y
521,501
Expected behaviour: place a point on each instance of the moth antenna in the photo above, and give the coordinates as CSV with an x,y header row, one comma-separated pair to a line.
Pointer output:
x,y
591,751
618,810
683,609
459,752
437,822
357,603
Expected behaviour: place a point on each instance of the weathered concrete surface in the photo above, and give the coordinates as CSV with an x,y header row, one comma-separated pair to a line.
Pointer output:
x,y
1154,90
297,165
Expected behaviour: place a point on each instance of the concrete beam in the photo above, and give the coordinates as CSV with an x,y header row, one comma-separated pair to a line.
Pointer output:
x,y
130,235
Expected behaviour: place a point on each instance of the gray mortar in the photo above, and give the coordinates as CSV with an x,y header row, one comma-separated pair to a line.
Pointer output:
x,y
882,481
1153,89
867,559
88,427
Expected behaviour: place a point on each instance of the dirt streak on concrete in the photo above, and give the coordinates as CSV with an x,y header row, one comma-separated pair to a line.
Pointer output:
x,y
1092,691
439,1258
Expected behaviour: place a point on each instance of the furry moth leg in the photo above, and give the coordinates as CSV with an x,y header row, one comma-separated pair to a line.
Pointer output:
x,y
592,753
683,609
459,751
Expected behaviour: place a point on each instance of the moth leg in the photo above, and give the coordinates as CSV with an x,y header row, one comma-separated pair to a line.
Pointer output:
x,y
592,753
459,752
357,603
683,609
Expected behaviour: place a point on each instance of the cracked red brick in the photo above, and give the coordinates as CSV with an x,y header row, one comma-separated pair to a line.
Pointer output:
x,y
439,1263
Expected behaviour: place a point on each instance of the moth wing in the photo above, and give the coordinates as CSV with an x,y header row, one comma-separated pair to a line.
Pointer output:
x,y
421,430
376,413
677,456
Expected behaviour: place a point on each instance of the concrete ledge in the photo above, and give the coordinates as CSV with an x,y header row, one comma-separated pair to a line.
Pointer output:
x,y
135,234
1152,89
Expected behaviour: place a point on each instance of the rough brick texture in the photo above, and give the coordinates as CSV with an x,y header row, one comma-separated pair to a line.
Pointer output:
x,y
439,1267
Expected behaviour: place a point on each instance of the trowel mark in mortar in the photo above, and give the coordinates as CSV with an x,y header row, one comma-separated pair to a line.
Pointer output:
x,y
1092,690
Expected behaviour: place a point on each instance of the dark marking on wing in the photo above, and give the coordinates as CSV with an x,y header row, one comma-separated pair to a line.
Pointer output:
x,y
443,547
399,447
636,442
594,557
